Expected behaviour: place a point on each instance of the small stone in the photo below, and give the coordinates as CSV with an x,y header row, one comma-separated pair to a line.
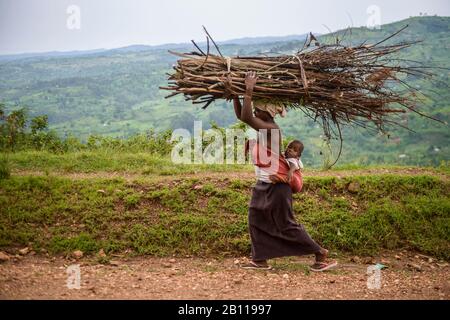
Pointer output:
x,y
102,253
77,254
397,257
4,257
414,266
24,251
353,187
114,263
369,260
172,261
172,273
285,276
236,261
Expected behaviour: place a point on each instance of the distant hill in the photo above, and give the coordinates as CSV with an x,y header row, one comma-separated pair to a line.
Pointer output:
x,y
141,47
115,92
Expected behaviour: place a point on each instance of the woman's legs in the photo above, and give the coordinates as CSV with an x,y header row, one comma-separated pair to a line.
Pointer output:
x,y
274,231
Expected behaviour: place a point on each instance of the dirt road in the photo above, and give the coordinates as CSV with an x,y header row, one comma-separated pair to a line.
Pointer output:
x,y
407,276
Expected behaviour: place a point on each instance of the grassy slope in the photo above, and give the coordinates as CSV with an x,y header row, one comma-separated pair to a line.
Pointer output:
x,y
104,160
209,216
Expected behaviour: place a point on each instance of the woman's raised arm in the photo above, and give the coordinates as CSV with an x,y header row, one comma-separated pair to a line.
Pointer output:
x,y
247,112
237,107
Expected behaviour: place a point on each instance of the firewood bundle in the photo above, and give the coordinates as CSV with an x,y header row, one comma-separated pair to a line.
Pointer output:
x,y
333,83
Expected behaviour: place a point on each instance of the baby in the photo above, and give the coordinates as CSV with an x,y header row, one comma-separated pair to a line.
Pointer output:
x,y
292,155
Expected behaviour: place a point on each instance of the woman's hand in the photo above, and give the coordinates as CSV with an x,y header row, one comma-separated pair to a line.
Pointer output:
x,y
250,80
289,177
277,179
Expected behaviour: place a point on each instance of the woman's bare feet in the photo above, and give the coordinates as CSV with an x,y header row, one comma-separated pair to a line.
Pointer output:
x,y
322,263
322,255
262,265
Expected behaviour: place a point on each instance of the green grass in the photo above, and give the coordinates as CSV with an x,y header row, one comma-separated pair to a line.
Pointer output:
x,y
109,161
162,219
5,167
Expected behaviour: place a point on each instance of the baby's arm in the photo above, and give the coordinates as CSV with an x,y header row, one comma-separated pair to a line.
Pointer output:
x,y
292,168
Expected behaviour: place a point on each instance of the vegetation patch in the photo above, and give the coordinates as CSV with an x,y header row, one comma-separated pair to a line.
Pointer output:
x,y
210,218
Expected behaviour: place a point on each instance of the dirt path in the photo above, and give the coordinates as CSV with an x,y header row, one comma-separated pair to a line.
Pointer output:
x,y
408,276
247,175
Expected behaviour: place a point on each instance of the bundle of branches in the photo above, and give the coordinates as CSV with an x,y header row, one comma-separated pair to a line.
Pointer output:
x,y
333,83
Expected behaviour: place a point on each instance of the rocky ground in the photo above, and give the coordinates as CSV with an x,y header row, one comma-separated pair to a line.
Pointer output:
x,y
25,274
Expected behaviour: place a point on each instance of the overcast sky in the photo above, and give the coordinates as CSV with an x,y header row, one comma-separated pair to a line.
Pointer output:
x,y
63,25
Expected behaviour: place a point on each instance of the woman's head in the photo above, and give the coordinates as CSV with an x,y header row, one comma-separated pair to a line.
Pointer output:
x,y
263,115
266,111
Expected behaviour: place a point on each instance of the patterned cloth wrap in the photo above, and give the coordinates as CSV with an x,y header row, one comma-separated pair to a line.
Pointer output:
x,y
283,167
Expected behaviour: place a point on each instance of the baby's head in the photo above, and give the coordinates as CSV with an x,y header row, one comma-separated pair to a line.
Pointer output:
x,y
294,149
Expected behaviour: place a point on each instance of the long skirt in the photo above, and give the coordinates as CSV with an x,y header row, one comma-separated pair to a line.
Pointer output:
x,y
273,229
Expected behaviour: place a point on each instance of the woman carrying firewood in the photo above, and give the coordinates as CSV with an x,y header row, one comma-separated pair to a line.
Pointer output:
x,y
273,229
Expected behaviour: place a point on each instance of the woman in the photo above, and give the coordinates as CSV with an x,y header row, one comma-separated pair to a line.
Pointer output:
x,y
273,229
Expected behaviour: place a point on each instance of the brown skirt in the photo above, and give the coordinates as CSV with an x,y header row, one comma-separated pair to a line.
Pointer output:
x,y
273,229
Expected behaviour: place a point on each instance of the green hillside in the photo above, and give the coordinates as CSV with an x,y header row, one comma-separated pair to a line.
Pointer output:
x,y
116,93
208,216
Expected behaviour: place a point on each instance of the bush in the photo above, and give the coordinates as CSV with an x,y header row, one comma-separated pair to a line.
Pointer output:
x,y
5,170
